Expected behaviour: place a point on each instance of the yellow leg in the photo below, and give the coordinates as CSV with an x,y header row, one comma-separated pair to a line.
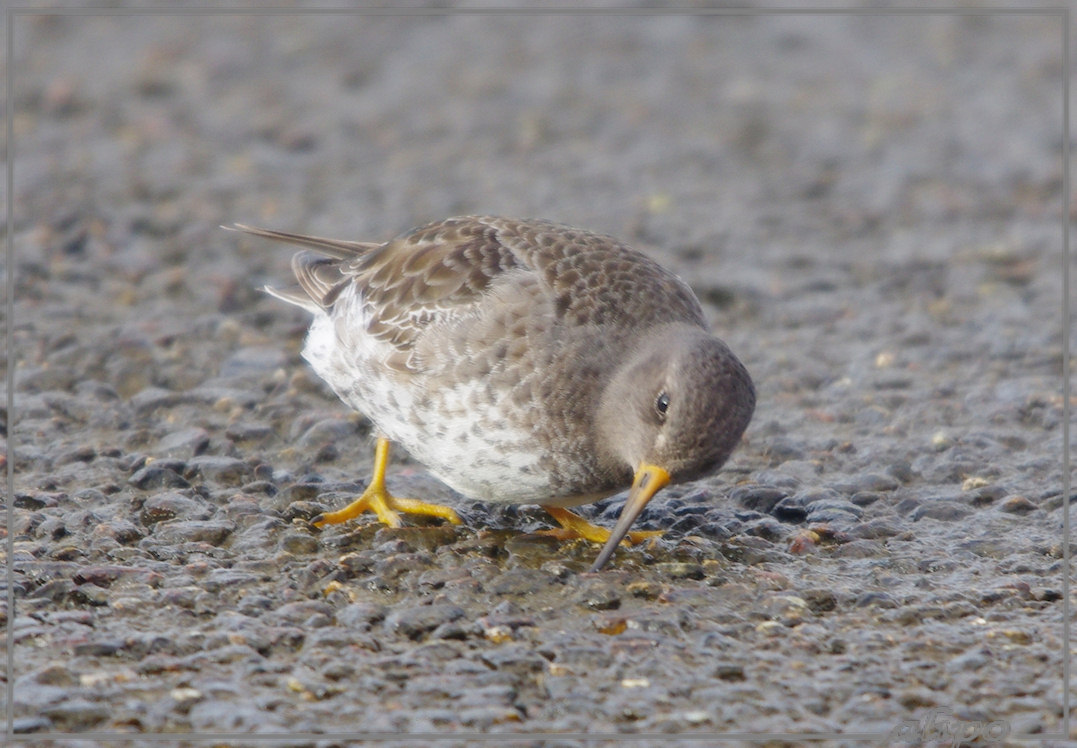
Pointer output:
x,y
376,498
575,526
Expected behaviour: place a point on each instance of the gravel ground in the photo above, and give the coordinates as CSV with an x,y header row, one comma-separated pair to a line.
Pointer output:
x,y
869,208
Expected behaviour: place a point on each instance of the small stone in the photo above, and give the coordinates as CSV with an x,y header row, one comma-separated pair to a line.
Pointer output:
x,y
213,532
185,694
787,609
498,634
600,595
985,495
56,590
361,616
757,498
336,671
171,505
122,531
901,472
522,581
299,543
296,492
157,476
253,361
865,498
973,482
456,630
1017,636
1046,594
99,648
243,431
941,509
328,431
34,501
987,547
871,548
54,674
876,528
874,482
876,599
26,725
784,449
67,553
226,471
820,600
940,441
833,512
907,506
679,570
184,444
83,453
76,714
304,510
729,671
789,509
917,698
90,594
1017,505
415,622
767,528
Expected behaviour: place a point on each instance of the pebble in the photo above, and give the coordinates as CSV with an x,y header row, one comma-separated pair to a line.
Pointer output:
x,y
729,671
876,599
758,498
175,532
54,674
836,511
183,444
943,510
76,714
172,505
520,581
599,594
89,594
99,648
417,621
361,616
679,569
876,528
869,482
785,448
865,498
26,725
227,471
820,600
327,431
151,399
299,543
248,431
253,361
157,476
1017,505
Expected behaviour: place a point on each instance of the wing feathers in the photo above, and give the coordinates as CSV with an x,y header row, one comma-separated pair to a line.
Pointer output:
x,y
338,248
445,270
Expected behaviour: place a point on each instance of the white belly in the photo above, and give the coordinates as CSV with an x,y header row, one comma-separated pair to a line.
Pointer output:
x,y
454,431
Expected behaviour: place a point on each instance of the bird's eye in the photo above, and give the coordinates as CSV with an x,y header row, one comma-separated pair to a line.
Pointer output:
x,y
661,405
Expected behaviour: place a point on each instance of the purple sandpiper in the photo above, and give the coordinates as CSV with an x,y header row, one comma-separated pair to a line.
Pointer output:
x,y
520,361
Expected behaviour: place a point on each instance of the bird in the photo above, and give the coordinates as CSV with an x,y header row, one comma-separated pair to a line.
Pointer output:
x,y
520,361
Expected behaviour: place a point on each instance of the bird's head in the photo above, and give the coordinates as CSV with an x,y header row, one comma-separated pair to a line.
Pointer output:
x,y
672,412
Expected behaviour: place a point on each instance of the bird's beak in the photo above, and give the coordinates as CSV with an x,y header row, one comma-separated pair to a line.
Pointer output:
x,y
648,481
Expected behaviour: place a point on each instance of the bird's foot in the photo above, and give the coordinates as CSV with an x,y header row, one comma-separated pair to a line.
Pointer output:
x,y
387,507
574,526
